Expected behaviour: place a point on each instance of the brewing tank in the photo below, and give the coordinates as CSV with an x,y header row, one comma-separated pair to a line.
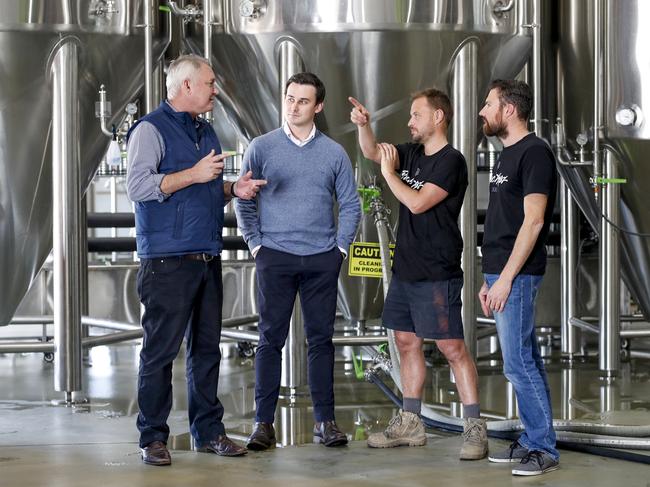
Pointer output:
x,y
111,52
378,51
626,130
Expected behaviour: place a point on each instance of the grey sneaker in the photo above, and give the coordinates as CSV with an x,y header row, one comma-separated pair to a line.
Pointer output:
x,y
405,429
513,454
536,463
475,442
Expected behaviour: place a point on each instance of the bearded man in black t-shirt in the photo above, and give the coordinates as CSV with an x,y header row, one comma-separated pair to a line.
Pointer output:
x,y
429,178
522,195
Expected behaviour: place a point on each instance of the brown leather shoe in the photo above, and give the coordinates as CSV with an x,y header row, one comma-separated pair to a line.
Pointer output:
x,y
262,438
223,446
329,434
156,453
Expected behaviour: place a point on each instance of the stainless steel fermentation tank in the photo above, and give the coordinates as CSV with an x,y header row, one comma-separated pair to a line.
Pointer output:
x,y
110,51
378,51
615,34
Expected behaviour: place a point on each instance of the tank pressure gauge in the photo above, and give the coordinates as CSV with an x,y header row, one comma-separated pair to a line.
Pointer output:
x,y
628,116
251,9
131,109
246,8
582,139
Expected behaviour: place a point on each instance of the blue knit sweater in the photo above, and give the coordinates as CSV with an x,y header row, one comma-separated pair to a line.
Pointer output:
x,y
295,211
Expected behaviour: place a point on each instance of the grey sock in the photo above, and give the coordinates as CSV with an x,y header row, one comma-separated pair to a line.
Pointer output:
x,y
471,410
412,405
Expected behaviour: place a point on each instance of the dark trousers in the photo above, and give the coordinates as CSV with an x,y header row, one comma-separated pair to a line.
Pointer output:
x,y
181,298
279,277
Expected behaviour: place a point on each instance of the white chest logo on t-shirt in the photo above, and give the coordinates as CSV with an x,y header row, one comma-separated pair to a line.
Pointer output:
x,y
498,179
412,182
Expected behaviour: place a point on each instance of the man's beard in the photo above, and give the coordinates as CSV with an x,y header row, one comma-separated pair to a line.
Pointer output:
x,y
499,130
419,137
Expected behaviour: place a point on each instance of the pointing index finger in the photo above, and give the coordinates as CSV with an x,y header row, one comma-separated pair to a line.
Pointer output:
x,y
356,103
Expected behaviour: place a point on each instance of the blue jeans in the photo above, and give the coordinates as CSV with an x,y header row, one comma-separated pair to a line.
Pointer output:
x,y
523,365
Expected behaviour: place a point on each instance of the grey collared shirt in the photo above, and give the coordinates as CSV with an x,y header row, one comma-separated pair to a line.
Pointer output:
x,y
145,150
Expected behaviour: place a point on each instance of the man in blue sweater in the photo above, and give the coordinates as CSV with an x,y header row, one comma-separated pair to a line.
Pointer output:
x,y
175,181
291,232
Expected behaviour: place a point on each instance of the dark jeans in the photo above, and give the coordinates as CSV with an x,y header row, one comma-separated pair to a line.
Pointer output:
x,y
181,298
279,277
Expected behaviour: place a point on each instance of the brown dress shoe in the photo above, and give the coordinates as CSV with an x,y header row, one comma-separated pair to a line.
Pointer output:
x,y
156,453
223,446
329,434
262,438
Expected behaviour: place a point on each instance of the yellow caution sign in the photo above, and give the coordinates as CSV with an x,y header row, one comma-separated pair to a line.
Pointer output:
x,y
365,259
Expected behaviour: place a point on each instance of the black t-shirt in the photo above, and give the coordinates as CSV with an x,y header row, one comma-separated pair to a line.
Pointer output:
x,y
523,168
429,245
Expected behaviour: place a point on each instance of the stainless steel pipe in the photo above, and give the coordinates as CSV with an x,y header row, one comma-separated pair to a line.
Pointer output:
x,y
639,333
339,341
66,195
599,91
569,390
537,66
207,41
26,347
241,335
109,324
568,269
465,92
596,329
207,30
32,320
639,354
609,359
583,325
110,338
380,215
239,321
150,103
289,63
294,353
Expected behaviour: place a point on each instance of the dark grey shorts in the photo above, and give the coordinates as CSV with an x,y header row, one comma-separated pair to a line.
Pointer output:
x,y
430,309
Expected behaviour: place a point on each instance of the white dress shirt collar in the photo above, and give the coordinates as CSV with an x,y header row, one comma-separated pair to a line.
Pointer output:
x,y
294,139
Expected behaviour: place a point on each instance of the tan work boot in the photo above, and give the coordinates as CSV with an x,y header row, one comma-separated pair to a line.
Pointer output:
x,y
405,429
475,442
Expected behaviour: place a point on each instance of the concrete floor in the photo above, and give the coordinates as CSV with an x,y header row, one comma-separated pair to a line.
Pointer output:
x,y
96,443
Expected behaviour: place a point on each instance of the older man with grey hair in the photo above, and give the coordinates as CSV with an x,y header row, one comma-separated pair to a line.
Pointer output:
x,y
175,180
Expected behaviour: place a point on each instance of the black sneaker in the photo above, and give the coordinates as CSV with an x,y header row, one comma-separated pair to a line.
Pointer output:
x,y
513,454
536,463
329,434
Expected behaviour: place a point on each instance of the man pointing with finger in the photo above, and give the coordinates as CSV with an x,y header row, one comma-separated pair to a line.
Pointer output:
x,y
175,180
429,178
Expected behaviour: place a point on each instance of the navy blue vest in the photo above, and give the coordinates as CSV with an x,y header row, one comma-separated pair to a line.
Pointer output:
x,y
190,220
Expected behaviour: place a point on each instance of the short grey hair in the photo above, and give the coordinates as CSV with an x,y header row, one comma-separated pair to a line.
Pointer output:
x,y
182,68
